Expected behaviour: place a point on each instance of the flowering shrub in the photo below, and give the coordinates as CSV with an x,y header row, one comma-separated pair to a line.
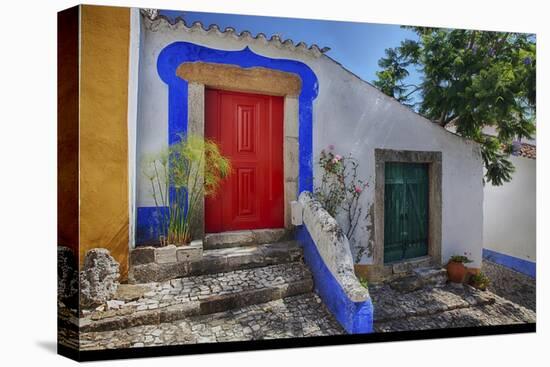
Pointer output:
x,y
340,188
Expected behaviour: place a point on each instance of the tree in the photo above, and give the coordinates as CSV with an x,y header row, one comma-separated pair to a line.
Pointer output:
x,y
471,80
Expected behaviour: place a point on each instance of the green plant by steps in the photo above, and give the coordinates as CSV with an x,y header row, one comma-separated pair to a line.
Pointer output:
x,y
480,280
180,177
460,259
364,282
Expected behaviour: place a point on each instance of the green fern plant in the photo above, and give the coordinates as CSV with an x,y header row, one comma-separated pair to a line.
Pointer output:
x,y
180,177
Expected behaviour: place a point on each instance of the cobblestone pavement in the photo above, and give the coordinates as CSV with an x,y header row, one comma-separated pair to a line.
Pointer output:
x,y
197,288
510,284
446,307
298,316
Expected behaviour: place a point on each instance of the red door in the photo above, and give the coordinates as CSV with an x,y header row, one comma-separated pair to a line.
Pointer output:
x,y
249,130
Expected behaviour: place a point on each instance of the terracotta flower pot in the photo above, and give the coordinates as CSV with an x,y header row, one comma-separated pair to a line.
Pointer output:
x,y
456,271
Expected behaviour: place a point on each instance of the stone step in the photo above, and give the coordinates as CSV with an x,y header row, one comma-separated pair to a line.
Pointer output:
x,y
244,238
391,304
219,261
299,316
199,295
420,278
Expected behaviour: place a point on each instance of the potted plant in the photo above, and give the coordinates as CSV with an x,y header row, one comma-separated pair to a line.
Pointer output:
x,y
180,177
479,281
456,270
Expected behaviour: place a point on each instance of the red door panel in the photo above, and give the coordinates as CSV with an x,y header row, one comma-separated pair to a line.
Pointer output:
x,y
249,130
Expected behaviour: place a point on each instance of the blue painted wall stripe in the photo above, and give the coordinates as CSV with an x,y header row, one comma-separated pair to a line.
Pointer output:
x,y
355,317
148,226
520,265
177,53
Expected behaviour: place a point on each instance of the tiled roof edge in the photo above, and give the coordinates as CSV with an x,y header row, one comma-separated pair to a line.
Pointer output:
x,y
274,40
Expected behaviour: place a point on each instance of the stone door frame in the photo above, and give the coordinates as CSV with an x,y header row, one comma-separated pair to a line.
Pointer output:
x,y
379,270
253,80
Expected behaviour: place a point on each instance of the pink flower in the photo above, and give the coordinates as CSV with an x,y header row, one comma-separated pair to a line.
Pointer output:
x,y
358,189
334,160
331,147
338,157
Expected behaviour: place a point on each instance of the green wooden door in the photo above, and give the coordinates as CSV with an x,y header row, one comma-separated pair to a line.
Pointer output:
x,y
405,211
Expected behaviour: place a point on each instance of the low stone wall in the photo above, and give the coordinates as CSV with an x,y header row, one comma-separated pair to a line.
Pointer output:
x,y
327,252
154,264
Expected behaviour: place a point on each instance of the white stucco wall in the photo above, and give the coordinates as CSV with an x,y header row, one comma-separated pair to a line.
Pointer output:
x,y
510,213
348,113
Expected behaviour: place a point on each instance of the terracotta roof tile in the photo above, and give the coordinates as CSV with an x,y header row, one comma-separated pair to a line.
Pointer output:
x,y
155,19
528,151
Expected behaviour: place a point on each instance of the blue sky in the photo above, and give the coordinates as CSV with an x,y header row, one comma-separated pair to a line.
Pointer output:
x,y
357,46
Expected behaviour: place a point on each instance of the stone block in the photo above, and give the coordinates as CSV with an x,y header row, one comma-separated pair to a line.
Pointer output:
x,y
291,117
409,265
291,161
142,255
262,236
244,260
165,255
191,252
435,277
407,284
296,211
131,292
208,265
228,239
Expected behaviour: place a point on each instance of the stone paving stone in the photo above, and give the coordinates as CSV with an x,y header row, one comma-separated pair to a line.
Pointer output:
x,y
512,285
446,307
298,316
181,290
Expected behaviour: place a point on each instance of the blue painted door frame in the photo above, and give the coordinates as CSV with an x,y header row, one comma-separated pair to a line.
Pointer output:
x,y
177,53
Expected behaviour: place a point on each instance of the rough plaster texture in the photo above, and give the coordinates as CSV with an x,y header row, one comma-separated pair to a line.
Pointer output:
x,y
348,113
510,213
333,246
103,132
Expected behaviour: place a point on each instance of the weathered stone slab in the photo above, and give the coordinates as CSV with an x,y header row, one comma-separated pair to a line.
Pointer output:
x,y
131,292
262,236
142,255
283,252
228,239
165,255
434,277
408,266
219,261
407,284
191,252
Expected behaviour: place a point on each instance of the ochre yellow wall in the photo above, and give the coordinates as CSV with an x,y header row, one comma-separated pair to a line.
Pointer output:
x,y
105,33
